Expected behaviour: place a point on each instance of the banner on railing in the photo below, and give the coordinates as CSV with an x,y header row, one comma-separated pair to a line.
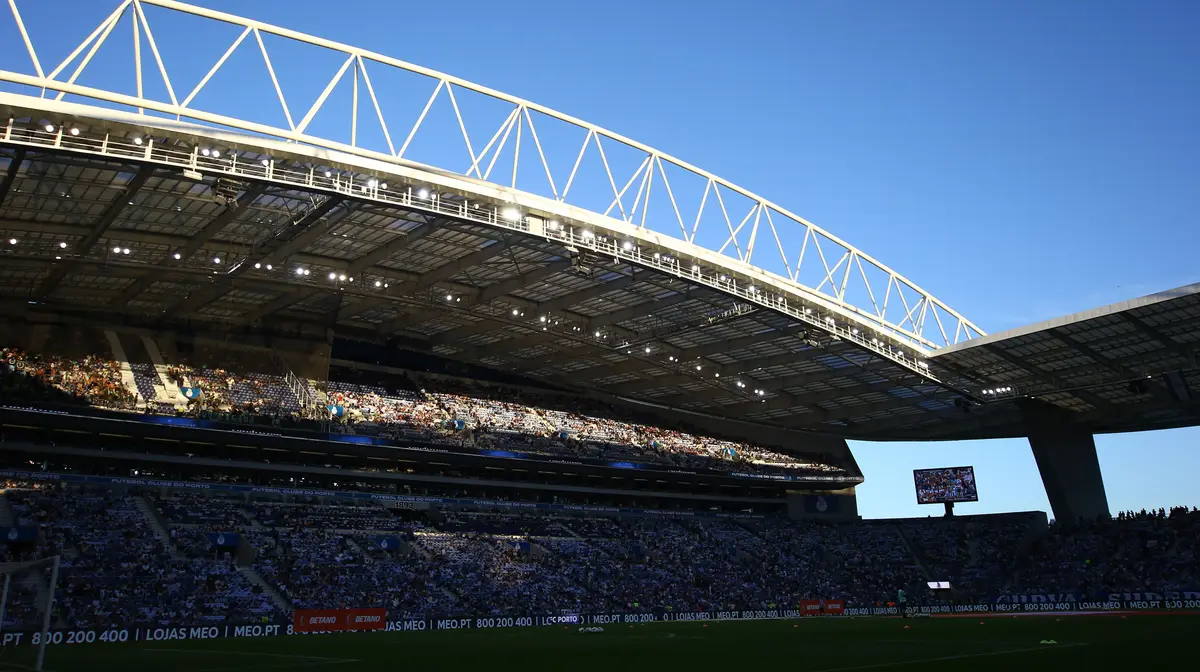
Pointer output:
x,y
339,620
18,637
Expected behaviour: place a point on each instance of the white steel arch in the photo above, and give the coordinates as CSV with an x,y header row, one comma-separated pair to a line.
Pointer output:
x,y
888,303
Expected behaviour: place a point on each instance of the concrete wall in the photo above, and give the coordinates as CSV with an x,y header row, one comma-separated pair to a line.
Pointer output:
x,y
1066,458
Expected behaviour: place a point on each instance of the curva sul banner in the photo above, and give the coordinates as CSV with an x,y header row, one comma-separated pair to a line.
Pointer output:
x,y
831,607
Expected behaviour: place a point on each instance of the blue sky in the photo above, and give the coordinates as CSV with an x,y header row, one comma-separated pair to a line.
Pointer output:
x,y
1020,159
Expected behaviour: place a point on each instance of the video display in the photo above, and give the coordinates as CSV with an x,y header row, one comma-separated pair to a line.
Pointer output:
x,y
949,484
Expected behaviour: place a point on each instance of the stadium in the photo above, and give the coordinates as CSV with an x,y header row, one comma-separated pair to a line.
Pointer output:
x,y
543,384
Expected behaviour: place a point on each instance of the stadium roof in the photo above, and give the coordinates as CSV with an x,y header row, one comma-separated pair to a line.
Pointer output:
x,y
115,213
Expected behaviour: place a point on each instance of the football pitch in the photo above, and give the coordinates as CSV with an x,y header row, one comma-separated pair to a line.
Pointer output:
x,y
1141,642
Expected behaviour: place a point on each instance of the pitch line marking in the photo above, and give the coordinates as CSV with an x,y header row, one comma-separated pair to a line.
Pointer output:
x,y
903,663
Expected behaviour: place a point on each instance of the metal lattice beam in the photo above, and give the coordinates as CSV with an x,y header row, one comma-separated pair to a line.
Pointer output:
x,y
743,229
1046,378
495,291
268,250
14,167
393,246
97,231
194,243
700,351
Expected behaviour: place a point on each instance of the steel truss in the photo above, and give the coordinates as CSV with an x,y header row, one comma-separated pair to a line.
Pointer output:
x,y
865,294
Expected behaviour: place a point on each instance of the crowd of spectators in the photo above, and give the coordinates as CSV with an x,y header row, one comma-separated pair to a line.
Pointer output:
x,y
457,412
506,418
1133,552
480,563
973,554
114,569
90,379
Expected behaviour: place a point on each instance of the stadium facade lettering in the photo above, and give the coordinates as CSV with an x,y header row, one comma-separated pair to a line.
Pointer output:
x,y
171,633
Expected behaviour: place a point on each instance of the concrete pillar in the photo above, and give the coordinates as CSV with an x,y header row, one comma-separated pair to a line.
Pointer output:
x,y
1066,458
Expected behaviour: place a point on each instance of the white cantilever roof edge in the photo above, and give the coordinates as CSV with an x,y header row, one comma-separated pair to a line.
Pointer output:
x,y
966,326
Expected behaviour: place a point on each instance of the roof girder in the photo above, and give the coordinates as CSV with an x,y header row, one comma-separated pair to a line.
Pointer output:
x,y
97,230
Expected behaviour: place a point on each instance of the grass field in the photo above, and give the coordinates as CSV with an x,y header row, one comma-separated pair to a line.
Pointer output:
x,y
814,645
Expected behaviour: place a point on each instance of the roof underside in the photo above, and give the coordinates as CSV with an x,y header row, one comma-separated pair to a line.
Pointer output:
x,y
471,292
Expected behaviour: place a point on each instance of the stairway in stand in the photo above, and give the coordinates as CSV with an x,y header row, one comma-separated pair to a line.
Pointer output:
x,y
156,524
127,378
257,579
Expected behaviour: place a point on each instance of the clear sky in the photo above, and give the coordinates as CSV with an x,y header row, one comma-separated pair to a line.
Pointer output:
x,y
1021,159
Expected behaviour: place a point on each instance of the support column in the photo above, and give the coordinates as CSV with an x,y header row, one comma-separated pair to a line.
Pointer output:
x,y
1066,458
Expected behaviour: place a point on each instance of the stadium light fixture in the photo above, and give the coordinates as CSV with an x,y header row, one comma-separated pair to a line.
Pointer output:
x,y
378,283
299,271
57,258
627,245
342,277
552,225
515,312
62,245
697,367
177,256
647,349
125,250
511,214
372,183
329,173
597,334
74,131
216,260
12,241
449,297
117,250
717,374
205,152
332,275
257,265
854,330
423,193
695,268
266,162
671,358
383,185
137,140
269,267
586,234
923,365
49,128
542,318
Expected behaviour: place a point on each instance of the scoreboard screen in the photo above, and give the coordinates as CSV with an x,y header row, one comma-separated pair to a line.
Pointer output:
x,y
948,484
